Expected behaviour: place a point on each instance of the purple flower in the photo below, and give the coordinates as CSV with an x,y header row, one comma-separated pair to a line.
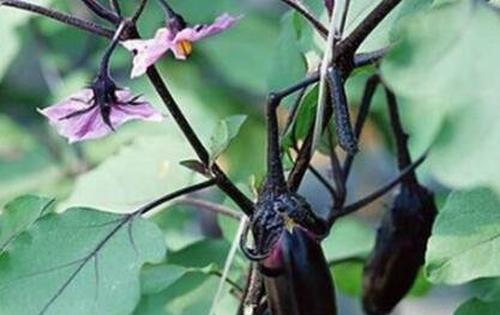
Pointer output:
x,y
176,37
83,116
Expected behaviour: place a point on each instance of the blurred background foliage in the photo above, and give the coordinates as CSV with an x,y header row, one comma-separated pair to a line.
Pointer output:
x,y
442,67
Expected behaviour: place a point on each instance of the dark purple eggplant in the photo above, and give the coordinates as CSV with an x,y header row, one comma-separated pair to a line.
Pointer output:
x,y
399,250
303,285
401,240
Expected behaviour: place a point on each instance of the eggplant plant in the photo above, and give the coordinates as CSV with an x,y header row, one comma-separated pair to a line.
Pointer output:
x,y
84,260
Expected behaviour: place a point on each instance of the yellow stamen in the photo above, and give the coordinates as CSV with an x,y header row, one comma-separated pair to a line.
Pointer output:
x,y
185,47
289,223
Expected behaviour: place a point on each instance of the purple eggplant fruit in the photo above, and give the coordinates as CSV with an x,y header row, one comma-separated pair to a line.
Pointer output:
x,y
302,284
402,237
399,250
287,235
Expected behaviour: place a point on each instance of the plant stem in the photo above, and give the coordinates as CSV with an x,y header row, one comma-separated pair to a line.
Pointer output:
x,y
364,108
400,136
377,194
58,16
344,59
101,11
139,10
302,10
221,179
352,42
178,193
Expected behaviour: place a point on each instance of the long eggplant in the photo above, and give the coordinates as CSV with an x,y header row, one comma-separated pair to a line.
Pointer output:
x,y
402,237
286,234
399,250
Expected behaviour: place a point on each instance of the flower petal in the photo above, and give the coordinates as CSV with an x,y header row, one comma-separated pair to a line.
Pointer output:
x,y
198,32
148,51
90,124
124,112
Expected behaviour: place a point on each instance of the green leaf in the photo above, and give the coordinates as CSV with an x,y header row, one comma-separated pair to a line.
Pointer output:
x,y
201,254
225,131
18,215
449,98
80,262
487,289
10,20
349,238
196,166
464,238
288,65
243,53
155,304
140,172
156,278
478,307
348,279
190,295
303,120
176,223
387,32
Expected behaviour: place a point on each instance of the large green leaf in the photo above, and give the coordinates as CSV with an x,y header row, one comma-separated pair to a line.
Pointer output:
x,y
18,215
442,70
138,173
225,131
465,237
288,65
80,262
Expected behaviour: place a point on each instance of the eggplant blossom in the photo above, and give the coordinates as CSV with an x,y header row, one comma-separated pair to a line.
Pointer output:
x,y
96,111
177,37
86,115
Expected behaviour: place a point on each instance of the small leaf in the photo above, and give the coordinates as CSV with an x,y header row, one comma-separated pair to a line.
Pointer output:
x,y
303,119
80,262
225,131
465,236
197,166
